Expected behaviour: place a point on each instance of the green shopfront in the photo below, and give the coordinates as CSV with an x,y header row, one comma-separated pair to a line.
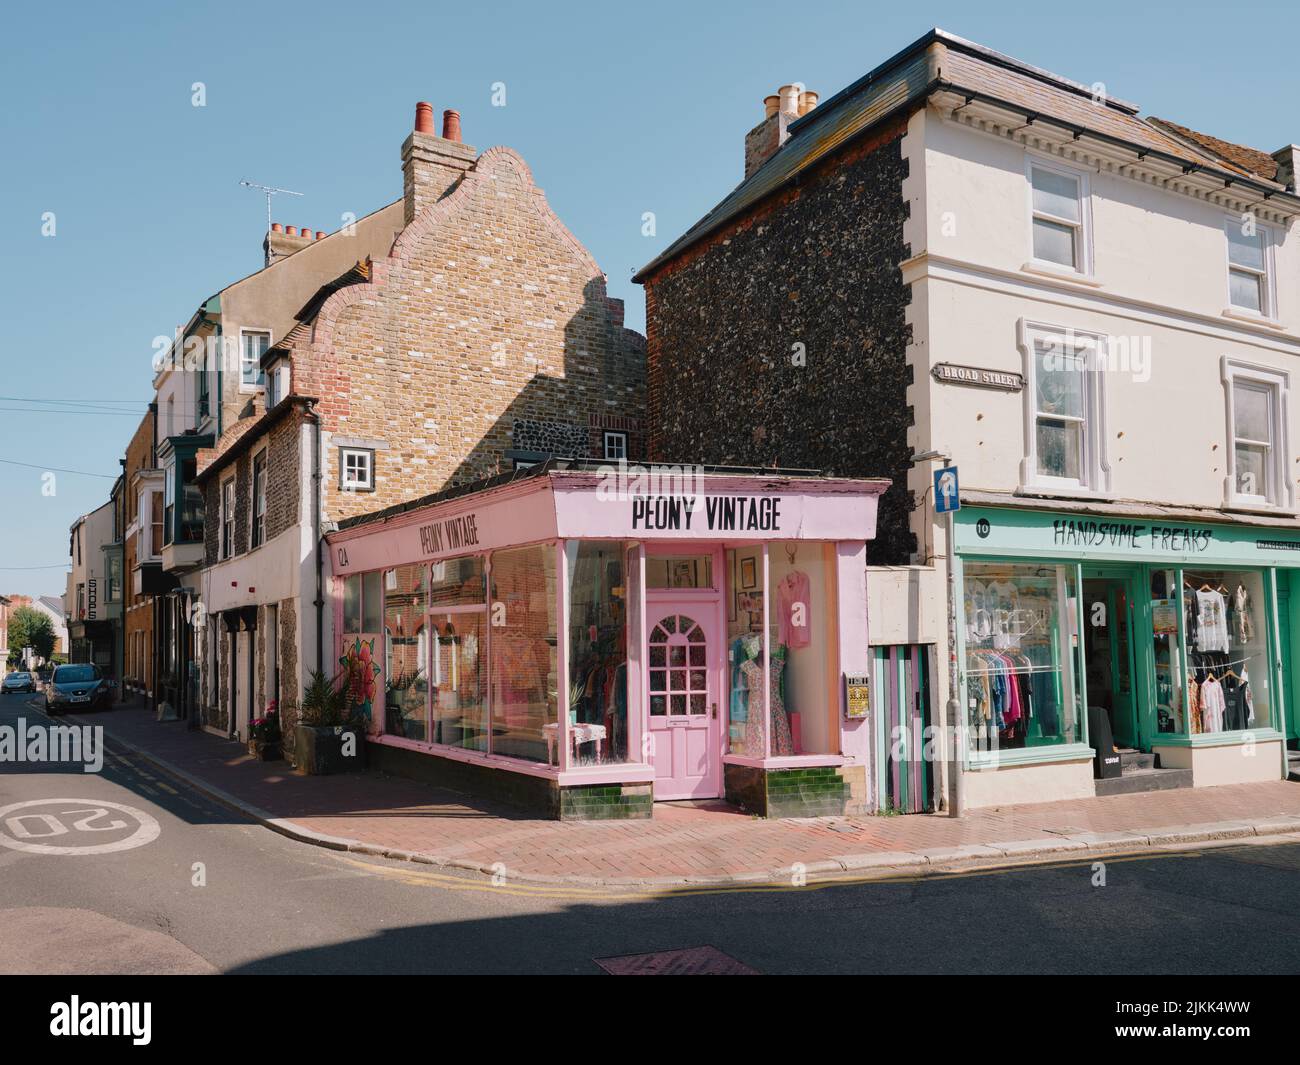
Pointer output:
x,y
1177,639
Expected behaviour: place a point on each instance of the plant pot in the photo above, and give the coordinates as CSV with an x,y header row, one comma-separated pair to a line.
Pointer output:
x,y
265,750
318,749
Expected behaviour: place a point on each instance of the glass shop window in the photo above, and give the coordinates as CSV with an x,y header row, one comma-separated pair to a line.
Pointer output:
x,y
524,670
1225,629
679,571
1167,652
745,593
406,673
457,675
801,628
457,582
1022,648
360,658
598,659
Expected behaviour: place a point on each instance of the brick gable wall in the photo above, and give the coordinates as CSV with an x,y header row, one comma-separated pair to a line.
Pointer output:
x,y
488,330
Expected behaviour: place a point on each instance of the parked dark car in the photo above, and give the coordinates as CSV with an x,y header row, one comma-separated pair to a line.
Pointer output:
x,y
80,686
19,682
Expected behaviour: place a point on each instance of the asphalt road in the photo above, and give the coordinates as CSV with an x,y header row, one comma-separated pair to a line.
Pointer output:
x,y
267,904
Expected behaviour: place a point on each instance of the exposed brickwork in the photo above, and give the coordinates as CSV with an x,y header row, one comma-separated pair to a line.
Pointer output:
x,y
284,475
137,609
282,442
219,716
487,330
288,671
817,265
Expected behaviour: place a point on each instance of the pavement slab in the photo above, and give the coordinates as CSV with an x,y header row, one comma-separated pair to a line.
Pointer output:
x,y
369,813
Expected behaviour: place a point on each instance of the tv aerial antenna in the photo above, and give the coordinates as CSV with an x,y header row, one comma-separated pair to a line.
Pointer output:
x,y
270,191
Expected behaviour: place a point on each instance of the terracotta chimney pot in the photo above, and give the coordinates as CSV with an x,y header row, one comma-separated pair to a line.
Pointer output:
x,y
789,95
291,231
807,102
451,126
423,117
770,105
277,227
320,234
307,233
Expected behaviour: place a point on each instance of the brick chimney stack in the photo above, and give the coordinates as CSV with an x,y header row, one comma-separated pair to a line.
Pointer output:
x,y
431,165
780,109
1287,160
283,241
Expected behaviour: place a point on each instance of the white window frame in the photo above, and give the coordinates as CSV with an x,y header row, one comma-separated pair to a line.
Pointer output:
x,y
226,530
256,538
1280,491
1268,287
1083,246
347,484
618,438
260,383
1094,465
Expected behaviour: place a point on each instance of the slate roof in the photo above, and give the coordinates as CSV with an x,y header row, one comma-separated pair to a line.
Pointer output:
x,y
904,81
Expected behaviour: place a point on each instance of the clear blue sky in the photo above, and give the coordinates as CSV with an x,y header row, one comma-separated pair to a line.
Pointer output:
x,y
619,109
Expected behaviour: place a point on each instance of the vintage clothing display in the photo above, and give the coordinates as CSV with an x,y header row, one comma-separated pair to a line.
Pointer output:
x,y
746,704
1220,632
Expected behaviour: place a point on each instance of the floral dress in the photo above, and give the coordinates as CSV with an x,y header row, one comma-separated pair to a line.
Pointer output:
x,y
782,743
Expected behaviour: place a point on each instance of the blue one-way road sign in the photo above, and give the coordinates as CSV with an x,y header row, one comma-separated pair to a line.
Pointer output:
x,y
945,490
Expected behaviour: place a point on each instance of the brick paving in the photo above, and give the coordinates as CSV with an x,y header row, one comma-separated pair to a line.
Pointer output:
x,y
680,841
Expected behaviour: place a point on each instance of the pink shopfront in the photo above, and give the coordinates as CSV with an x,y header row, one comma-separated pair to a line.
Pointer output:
x,y
585,642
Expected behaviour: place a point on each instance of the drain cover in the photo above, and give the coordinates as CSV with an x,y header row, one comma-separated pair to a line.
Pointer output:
x,y
690,961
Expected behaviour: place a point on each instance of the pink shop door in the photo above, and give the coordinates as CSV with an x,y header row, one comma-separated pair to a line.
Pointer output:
x,y
681,682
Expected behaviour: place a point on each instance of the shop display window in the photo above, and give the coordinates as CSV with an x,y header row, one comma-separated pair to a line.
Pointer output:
x,y
360,658
457,582
804,701
406,671
745,651
1225,633
456,678
679,571
1022,650
598,659
523,653
1167,653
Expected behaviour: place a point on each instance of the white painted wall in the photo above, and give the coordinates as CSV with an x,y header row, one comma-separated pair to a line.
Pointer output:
x,y
1161,267
1159,272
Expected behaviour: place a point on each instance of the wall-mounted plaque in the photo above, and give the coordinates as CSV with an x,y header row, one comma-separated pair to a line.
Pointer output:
x,y
1001,380
857,696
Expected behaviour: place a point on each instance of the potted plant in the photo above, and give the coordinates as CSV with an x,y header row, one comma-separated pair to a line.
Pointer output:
x,y
264,739
330,735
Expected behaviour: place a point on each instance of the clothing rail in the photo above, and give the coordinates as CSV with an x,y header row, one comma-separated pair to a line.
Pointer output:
x,y
1013,669
1217,666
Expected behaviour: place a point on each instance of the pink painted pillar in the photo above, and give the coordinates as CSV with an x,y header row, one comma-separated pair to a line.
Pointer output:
x,y
562,650
854,642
